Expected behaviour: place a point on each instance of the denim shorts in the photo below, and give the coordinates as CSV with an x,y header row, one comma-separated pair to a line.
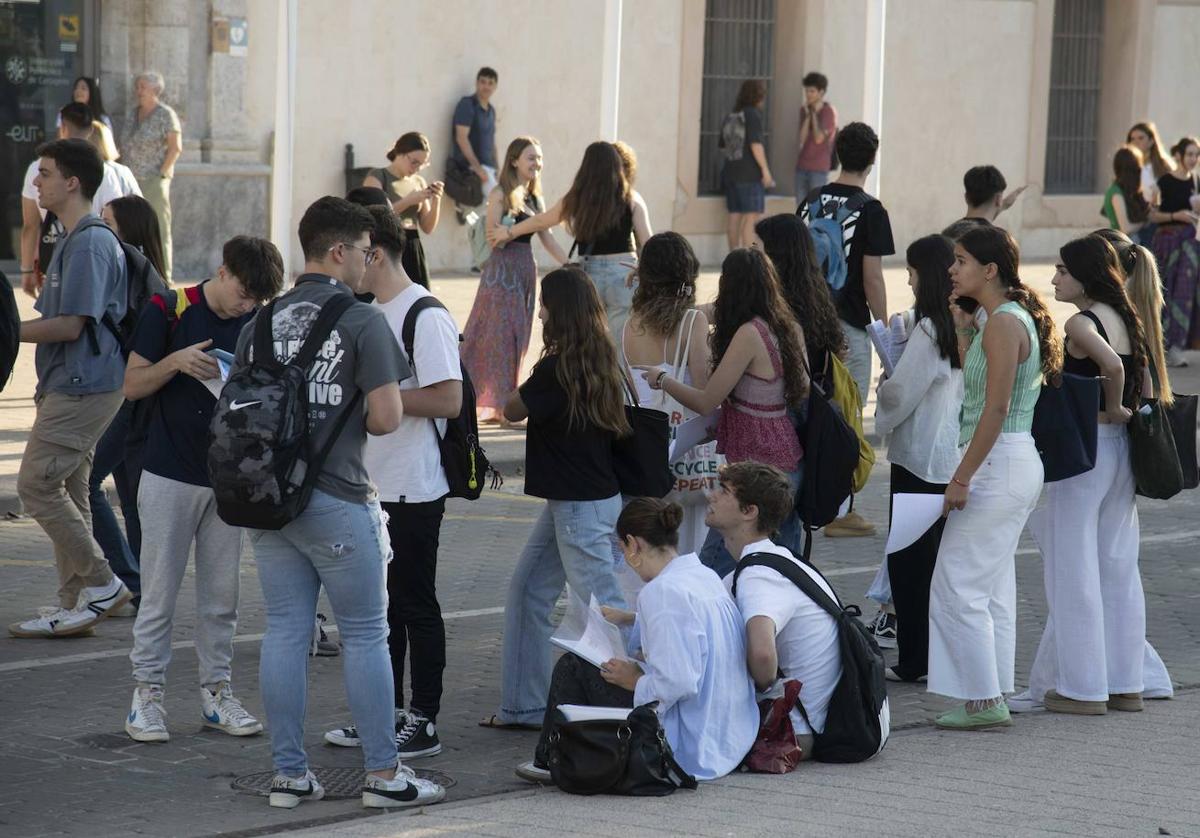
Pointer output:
x,y
745,197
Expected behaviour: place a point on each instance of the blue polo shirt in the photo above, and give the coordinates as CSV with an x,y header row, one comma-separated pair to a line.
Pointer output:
x,y
483,130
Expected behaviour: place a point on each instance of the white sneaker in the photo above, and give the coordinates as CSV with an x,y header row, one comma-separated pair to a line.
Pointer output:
x,y
49,618
93,606
1175,357
287,792
534,773
1024,702
147,720
224,712
405,789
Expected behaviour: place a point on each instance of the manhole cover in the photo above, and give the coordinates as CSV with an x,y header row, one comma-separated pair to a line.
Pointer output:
x,y
339,783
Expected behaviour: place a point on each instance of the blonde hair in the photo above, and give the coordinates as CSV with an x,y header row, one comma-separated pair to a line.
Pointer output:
x,y
510,183
102,139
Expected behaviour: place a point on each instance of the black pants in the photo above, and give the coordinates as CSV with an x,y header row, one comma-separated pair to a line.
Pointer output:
x,y
575,681
414,614
413,258
911,571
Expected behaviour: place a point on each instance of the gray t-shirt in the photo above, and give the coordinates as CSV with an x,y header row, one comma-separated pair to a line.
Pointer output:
x,y
86,278
360,354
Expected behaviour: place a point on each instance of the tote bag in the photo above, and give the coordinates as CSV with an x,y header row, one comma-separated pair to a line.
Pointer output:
x,y
1182,418
640,460
1064,426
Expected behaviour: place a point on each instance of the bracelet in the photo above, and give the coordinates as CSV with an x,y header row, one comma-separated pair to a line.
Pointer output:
x,y
658,381
959,482
28,270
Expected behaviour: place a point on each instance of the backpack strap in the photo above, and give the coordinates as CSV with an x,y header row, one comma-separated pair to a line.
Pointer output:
x,y
796,575
408,331
854,203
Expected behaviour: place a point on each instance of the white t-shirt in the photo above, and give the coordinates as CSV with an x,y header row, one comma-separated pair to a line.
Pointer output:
x,y
118,182
806,636
406,465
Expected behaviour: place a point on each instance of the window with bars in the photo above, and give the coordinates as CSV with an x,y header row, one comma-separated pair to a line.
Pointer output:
x,y
1073,120
739,44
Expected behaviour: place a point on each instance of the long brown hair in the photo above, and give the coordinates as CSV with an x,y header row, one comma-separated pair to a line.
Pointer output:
x,y
993,245
510,182
666,287
576,332
749,288
138,223
599,196
1160,161
1127,171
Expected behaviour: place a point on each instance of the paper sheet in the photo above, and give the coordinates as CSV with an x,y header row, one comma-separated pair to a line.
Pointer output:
x,y
215,385
889,341
912,516
586,713
585,632
693,432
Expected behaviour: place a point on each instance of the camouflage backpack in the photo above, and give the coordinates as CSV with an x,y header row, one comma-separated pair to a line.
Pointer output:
x,y
261,461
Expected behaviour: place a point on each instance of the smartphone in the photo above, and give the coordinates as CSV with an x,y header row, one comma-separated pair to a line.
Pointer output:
x,y
967,304
220,355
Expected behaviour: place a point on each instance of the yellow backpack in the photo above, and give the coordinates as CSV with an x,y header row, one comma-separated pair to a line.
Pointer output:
x,y
846,396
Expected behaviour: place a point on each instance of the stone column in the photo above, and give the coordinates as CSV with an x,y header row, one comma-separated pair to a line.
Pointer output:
x,y
227,138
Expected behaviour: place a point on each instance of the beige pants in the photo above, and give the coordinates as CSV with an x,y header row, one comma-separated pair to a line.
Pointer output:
x,y
53,484
157,190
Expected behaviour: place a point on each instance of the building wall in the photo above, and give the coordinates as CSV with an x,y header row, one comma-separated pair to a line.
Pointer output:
x,y
1175,63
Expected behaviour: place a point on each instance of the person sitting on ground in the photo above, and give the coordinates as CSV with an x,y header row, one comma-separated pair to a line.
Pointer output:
x,y
787,633
693,653
983,189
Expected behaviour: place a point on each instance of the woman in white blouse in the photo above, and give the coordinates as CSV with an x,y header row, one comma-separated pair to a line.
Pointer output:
x,y
693,649
919,406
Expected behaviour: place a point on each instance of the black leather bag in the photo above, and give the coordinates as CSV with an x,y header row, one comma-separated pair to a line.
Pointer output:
x,y
1064,426
1182,417
462,184
628,757
1156,469
642,460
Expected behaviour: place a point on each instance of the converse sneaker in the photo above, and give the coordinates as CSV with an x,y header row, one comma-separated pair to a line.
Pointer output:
x,y
287,792
45,624
418,737
883,627
347,737
147,720
224,712
322,646
405,789
534,773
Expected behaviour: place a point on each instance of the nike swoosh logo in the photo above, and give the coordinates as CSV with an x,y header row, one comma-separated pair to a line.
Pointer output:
x,y
236,405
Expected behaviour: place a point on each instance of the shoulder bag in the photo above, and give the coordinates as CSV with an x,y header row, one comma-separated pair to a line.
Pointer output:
x,y
641,460
1064,425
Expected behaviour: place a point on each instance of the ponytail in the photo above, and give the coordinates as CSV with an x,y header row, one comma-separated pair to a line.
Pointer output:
x,y
1144,289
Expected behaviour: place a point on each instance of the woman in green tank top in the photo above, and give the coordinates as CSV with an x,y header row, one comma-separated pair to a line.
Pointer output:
x,y
972,602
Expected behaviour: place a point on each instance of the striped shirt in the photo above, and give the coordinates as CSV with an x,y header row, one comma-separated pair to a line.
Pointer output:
x,y
1027,385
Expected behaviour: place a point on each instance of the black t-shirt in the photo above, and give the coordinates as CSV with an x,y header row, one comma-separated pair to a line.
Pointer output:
x,y
563,463
747,169
1176,193
867,232
177,441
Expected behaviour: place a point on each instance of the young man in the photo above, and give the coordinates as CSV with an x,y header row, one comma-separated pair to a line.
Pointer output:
x,y
818,127
337,541
80,370
983,190
170,362
785,630
474,128
406,466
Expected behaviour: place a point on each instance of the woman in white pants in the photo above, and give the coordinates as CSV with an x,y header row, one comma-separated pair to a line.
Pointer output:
x,y
972,598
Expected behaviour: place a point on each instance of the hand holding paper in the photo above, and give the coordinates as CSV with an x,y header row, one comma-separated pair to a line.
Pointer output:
x,y
912,516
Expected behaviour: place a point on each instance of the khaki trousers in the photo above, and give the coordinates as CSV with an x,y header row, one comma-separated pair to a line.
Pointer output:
x,y
53,484
157,190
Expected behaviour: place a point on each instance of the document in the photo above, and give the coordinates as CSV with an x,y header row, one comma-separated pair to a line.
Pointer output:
x,y
912,516
889,341
586,633
585,713
215,385
693,432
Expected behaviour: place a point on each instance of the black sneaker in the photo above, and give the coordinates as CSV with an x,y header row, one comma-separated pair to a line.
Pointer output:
x,y
347,737
322,646
884,629
418,737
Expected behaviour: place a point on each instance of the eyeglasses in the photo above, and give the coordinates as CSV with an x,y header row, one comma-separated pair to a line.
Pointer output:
x,y
369,253
419,164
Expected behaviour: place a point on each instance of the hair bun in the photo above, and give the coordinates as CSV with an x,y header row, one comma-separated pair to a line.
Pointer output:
x,y
670,516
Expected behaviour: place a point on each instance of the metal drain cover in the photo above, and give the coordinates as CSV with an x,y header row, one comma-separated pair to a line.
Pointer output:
x,y
339,783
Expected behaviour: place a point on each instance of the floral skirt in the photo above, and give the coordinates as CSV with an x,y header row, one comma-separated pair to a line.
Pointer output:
x,y
501,320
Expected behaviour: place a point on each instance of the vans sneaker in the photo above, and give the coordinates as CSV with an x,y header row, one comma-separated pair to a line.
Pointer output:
x,y
418,737
883,627
405,789
224,712
347,737
287,792
147,720
49,618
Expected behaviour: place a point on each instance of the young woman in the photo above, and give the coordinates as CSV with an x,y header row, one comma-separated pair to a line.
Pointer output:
x,y
664,327
972,597
694,647
759,363
574,401
745,178
1124,206
1155,161
918,407
610,224
135,222
501,318
86,91
418,204
1177,251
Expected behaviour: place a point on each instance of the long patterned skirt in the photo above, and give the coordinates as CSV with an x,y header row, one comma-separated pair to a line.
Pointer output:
x,y
501,320
1178,256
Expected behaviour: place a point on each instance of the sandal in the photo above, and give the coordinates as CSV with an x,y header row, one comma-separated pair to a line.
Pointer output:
x,y
493,722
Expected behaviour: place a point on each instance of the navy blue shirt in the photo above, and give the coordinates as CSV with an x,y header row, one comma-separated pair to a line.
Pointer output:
x,y
177,441
483,130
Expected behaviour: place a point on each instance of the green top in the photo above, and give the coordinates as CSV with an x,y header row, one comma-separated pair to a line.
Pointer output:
x,y
1109,209
1027,385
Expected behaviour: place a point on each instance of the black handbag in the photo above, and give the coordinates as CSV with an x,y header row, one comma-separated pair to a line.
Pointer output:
x,y
1156,470
1065,427
462,184
642,460
1182,418
628,757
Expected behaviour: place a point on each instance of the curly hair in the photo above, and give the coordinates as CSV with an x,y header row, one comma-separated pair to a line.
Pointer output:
x,y
666,289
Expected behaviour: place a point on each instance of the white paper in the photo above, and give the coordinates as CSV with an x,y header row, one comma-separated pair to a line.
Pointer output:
x,y
585,713
693,432
586,633
889,341
912,516
215,385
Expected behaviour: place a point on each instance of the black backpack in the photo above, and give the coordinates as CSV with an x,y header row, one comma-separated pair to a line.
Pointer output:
x,y
464,461
261,461
831,453
10,330
858,721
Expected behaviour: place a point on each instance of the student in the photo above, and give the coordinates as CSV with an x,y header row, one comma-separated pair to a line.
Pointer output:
x,y
1176,249
574,401
86,91
361,356
972,597
694,654
1156,162
786,632
406,468
170,362
917,410
983,190
745,173
417,204
79,371
474,132
814,143
1123,206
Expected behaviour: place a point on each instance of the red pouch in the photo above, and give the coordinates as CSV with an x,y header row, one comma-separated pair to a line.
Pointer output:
x,y
775,750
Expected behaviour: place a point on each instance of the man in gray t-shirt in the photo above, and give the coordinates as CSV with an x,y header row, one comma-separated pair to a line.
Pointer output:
x,y
80,370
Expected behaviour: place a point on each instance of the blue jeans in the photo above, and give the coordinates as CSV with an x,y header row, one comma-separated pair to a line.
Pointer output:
x,y
807,180
342,546
791,535
571,542
109,458
609,275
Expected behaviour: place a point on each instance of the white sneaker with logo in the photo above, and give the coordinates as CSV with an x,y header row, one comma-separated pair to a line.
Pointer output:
x,y
288,792
94,605
147,720
224,712
405,789
44,624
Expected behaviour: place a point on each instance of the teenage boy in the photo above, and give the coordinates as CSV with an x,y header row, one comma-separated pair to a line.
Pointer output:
x,y
337,541
171,362
818,127
79,370
406,467
474,128
983,190
786,631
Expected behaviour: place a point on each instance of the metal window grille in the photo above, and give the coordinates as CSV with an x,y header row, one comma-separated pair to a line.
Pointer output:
x,y
1072,123
739,44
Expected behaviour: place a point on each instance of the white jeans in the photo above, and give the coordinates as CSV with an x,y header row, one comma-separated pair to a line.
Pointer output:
x,y
1094,643
973,596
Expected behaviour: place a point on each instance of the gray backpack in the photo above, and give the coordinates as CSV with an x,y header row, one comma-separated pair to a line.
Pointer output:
x,y
733,136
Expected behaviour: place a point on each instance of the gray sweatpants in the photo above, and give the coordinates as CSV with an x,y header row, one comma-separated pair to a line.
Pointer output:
x,y
174,516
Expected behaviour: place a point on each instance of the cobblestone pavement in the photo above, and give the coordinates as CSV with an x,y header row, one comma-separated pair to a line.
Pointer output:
x,y
68,768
